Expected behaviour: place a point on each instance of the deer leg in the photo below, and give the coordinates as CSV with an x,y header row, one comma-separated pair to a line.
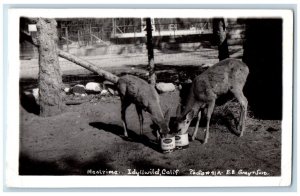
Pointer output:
x,y
157,135
210,109
197,125
124,105
205,113
243,114
141,118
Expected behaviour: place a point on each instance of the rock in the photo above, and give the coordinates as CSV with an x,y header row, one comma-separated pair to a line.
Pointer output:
x,y
35,93
165,87
27,93
111,91
80,85
108,83
179,87
78,89
188,81
93,87
67,90
104,92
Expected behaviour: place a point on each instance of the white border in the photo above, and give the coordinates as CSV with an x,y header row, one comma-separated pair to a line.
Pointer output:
x,y
12,140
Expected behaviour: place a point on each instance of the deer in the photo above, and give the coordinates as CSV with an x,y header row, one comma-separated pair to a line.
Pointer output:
x,y
228,75
134,90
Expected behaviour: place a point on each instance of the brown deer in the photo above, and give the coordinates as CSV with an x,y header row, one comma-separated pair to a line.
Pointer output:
x,y
228,75
144,96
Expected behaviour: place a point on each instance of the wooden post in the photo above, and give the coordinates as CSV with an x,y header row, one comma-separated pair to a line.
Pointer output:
x,y
50,76
151,65
67,37
91,37
134,34
78,37
114,28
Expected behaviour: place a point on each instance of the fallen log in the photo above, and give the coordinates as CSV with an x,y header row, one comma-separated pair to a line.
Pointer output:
x,y
81,62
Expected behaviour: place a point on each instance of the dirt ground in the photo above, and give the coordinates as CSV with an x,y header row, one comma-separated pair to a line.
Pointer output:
x,y
87,139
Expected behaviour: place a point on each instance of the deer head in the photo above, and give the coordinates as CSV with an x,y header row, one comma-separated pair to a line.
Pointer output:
x,y
183,121
164,125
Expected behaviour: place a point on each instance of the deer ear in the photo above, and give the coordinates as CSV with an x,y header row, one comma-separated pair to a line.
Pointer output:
x,y
168,116
190,115
178,110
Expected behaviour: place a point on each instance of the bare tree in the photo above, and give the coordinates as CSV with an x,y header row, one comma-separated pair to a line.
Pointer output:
x,y
50,77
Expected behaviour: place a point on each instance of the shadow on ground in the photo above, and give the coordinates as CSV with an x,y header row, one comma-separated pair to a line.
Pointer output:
x,y
29,104
132,136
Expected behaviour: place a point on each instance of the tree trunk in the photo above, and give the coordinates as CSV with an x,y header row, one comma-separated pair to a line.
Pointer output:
x,y
151,65
263,54
219,31
50,77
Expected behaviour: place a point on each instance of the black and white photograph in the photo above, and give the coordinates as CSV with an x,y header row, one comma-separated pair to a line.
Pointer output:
x,y
182,94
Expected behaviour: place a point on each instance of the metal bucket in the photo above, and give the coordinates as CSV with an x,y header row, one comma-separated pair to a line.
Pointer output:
x,y
167,144
182,141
